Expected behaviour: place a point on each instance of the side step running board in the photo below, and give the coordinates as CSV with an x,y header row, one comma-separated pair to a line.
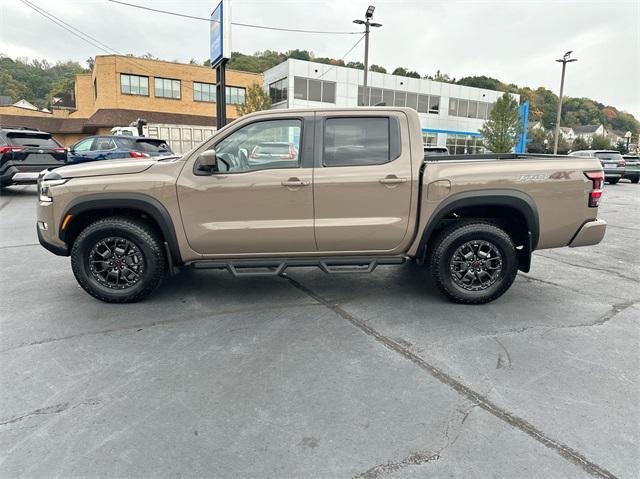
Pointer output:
x,y
276,266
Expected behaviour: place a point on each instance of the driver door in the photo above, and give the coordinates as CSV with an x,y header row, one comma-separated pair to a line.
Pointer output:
x,y
253,204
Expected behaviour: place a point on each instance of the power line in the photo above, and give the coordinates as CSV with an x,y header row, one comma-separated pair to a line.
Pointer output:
x,y
89,39
249,25
343,56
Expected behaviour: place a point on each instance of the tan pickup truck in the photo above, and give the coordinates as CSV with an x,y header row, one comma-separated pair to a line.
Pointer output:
x,y
345,190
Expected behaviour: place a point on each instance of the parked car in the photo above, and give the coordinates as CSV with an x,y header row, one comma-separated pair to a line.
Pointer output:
x,y
96,148
25,152
632,168
435,150
611,161
361,194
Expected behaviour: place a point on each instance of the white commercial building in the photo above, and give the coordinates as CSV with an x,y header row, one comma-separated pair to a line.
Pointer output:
x,y
450,115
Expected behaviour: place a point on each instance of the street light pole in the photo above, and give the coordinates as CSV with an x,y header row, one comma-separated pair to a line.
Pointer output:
x,y
367,24
564,60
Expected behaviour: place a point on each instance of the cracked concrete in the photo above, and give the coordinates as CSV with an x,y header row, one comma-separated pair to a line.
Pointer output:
x,y
253,378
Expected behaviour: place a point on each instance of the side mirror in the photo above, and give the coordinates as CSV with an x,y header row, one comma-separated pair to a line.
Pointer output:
x,y
207,161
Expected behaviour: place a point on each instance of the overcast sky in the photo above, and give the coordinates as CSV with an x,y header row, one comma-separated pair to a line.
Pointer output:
x,y
515,41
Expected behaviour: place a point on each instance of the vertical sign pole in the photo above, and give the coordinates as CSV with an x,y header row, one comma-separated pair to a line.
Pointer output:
x,y
221,94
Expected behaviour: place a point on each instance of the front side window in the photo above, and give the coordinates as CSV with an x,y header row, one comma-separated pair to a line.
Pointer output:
x,y
204,92
356,141
134,85
166,88
261,145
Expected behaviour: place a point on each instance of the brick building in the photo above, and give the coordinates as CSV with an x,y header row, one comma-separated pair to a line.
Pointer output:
x,y
177,100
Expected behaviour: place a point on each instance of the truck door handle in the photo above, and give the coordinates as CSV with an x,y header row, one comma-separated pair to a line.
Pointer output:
x,y
295,182
392,180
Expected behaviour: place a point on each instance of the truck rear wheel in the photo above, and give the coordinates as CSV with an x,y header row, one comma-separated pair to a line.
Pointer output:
x,y
118,260
613,181
473,262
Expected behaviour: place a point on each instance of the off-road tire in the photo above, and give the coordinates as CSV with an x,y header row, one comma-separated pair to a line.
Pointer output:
x,y
146,240
613,181
453,237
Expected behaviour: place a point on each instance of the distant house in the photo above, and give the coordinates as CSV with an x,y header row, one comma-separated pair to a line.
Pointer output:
x,y
616,136
568,133
535,125
587,132
26,105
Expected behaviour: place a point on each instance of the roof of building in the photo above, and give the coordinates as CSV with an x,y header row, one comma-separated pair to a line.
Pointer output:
x,y
104,118
5,100
25,104
586,128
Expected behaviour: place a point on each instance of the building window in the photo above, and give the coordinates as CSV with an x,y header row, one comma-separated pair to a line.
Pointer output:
x,y
204,92
278,91
430,139
166,88
420,103
434,104
134,85
356,141
314,90
234,95
469,108
95,88
464,144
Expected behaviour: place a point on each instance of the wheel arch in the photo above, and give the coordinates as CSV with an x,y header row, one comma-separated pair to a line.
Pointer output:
x,y
514,210
88,208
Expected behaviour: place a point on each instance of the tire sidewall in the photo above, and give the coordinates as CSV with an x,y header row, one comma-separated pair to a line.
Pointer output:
x,y
485,232
88,239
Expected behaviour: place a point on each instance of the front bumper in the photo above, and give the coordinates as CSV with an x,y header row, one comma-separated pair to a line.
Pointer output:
x,y
55,249
46,227
589,233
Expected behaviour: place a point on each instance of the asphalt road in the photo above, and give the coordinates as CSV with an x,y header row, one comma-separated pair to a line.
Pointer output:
x,y
371,376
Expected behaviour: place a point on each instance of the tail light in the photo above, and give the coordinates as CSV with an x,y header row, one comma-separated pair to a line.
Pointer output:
x,y
597,177
290,156
253,156
137,154
9,149
60,150
622,163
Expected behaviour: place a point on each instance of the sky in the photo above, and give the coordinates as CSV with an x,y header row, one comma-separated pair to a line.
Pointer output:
x,y
515,41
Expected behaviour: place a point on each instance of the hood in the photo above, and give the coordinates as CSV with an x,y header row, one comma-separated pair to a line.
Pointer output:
x,y
106,167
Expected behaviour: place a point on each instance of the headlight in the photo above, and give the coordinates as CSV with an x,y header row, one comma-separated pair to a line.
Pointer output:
x,y
44,189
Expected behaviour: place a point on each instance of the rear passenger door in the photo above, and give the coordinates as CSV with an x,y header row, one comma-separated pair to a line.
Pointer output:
x,y
362,182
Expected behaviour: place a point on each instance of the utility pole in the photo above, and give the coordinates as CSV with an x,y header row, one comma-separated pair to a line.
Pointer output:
x,y
367,23
564,60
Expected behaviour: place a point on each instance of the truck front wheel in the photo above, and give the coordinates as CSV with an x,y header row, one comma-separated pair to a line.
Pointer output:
x,y
118,260
473,262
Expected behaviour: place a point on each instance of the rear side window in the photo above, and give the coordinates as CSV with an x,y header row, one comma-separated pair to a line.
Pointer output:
x,y
356,141
609,156
102,144
26,139
146,145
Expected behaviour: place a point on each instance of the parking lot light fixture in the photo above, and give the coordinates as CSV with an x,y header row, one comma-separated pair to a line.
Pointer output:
x,y
564,60
367,25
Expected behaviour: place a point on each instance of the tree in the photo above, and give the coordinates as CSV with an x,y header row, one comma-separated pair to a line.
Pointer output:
x,y
358,65
378,69
579,144
538,141
501,130
600,142
299,54
400,71
255,100
413,74
482,81
621,146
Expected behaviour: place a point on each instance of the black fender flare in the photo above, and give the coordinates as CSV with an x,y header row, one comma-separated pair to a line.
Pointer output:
x,y
134,201
515,199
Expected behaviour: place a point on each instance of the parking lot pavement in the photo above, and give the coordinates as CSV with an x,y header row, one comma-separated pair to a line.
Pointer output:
x,y
310,375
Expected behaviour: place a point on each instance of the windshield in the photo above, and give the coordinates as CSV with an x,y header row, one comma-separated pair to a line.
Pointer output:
x,y
31,139
609,156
